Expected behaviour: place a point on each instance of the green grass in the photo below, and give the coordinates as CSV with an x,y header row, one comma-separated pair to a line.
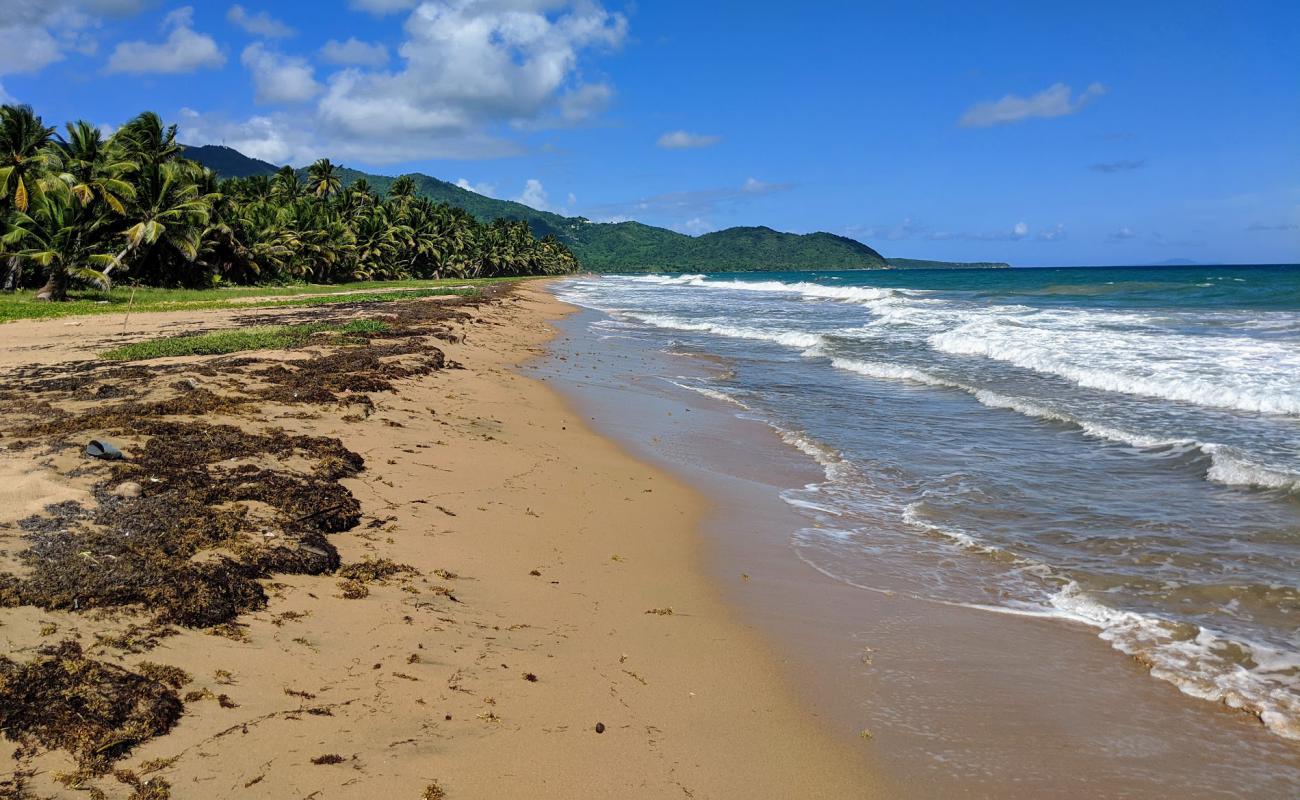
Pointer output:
x,y
23,305
279,337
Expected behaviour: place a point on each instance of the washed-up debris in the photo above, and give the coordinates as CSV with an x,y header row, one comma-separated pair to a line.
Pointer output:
x,y
103,451
94,710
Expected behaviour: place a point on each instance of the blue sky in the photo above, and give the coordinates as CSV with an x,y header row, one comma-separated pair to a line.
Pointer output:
x,y
1035,133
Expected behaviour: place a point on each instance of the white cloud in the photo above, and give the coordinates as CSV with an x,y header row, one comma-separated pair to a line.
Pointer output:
x,y
473,71
1122,234
534,196
278,78
1054,101
695,226
34,35
270,138
685,140
259,24
584,102
355,52
485,189
184,50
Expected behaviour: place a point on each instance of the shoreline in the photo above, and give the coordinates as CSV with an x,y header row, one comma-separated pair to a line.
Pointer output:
x,y
957,699
541,548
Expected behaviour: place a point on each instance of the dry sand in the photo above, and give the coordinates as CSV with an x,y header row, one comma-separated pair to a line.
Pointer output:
x,y
555,546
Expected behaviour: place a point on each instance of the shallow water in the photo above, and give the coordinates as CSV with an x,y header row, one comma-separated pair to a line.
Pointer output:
x,y
1115,447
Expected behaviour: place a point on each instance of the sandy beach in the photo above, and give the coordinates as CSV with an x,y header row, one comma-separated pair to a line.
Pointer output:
x,y
521,610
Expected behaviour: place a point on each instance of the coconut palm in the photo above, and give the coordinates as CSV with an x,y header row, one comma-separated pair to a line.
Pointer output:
x,y
167,223
323,179
23,154
402,188
95,169
149,142
54,236
285,185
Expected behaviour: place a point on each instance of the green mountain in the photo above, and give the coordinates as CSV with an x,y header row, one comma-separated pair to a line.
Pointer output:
x,y
228,162
622,246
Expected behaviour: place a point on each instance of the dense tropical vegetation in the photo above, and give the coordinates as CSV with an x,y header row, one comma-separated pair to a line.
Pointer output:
x,y
81,208
613,246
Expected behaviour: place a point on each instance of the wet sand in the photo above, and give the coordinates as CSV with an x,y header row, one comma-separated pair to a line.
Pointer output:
x,y
542,552
958,702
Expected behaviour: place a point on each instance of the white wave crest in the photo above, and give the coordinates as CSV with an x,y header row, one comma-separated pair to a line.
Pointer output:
x,y
1226,465
797,339
712,394
1230,468
1090,360
852,294
1196,665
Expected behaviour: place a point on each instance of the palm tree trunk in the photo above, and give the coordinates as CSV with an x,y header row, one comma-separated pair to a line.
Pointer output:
x,y
55,289
13,274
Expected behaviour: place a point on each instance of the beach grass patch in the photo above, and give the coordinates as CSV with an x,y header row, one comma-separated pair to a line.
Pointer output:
x,y
280,337
125,299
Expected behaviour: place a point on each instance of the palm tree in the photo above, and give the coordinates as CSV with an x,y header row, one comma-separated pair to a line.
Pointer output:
x,y
168,221
52,235
402,189
94,168
149,142
23,154
285,184
323,179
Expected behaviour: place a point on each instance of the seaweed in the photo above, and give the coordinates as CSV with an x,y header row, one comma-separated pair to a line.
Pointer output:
x,y
140,550
214,511
94,710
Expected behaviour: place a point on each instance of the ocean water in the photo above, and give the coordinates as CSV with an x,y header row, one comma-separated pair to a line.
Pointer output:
x,y
1115,447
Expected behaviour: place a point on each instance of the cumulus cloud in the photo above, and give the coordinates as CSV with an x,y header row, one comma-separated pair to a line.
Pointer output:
x,y
355,52
259,24
1119,166
695,226
1123,233
270,138
184,49
34,35
534,195
485,189
1056,100
473,72
278,78
685,140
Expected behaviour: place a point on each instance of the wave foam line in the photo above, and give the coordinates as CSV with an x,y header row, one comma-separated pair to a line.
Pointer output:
x,y
1268,691
798,339
1186,390
1227,466
853,294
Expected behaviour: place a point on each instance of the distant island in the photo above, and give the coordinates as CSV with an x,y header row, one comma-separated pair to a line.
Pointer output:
x,y
624,246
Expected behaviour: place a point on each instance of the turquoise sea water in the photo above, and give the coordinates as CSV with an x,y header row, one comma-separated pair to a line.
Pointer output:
x,y
1118,447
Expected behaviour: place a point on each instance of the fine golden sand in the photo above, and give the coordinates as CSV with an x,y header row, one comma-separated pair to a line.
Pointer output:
x,y
556,591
